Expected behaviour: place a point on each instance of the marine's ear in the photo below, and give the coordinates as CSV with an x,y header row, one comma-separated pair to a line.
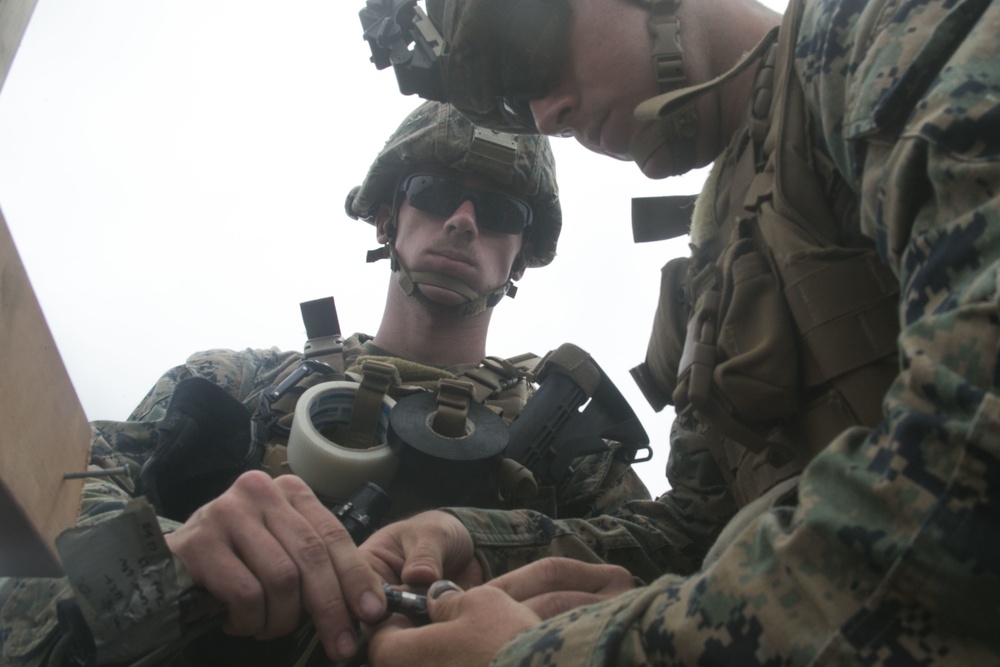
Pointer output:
x,y
383,229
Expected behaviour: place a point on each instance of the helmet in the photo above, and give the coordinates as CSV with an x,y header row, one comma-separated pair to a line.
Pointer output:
x,y
499,54
436,133
493,50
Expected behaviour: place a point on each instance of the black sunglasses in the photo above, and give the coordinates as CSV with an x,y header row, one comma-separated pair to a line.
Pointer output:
x,y
439,195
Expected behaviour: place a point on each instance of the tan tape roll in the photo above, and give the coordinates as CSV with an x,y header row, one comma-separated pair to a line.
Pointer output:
x,y
331,470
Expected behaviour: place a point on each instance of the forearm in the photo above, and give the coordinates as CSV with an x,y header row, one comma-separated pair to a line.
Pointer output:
x,y
28,617
648,537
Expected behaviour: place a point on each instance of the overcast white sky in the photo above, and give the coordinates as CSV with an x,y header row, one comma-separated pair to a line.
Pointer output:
x,y
174,172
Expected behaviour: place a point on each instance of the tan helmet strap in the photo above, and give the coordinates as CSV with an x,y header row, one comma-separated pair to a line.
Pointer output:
x,y
668,56
408,280
674,102
679,131
674,110
477,303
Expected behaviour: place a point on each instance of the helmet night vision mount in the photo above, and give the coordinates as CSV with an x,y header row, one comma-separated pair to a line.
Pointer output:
x,y
401,35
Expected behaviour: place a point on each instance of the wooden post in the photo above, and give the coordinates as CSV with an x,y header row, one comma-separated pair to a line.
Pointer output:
x,y
43,430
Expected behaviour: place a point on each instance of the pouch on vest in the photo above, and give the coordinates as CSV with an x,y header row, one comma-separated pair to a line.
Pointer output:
x,y
204,444
657,376
739,365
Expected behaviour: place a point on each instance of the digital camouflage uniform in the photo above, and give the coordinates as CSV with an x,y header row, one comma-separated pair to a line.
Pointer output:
x,y
891,555
28,622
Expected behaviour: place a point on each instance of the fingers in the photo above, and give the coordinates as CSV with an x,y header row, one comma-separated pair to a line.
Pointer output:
x,y
227,549
268,549
422,550
553,585
436,543
468,629
560,574
335,579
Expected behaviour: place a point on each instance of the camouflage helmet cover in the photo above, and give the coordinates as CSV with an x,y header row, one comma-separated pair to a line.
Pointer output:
x,y
435,133
490,43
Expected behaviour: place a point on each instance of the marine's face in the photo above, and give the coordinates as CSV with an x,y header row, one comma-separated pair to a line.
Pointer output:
x,y
454,243
608,72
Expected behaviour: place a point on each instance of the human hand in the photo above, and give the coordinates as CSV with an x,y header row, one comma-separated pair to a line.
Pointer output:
x,y
551,586
468,629
266,550
423,549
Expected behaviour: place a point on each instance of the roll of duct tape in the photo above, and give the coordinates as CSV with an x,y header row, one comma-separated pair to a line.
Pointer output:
x,y
332,470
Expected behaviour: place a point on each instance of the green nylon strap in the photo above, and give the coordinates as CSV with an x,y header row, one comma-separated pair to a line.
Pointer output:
x,y
453,400
376,380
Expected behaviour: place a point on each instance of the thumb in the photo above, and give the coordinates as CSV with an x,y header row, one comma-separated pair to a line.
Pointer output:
x,y
443,599
434,542
423,565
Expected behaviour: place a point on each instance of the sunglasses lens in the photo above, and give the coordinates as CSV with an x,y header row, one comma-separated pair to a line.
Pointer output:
x,y
432,194
442,196
501,213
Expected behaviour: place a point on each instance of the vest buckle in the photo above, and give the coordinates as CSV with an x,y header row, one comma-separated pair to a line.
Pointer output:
x,y
699,355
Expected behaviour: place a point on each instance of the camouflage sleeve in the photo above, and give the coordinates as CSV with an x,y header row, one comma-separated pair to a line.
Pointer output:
x,y
28,623
242,374
650,538
599,484
28,629
890,556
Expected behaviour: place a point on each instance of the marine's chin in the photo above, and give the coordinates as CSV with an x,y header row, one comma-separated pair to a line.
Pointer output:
x,y
660,165
442,295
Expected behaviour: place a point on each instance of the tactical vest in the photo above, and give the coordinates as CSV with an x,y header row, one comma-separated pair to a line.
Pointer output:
x,y
779,332
502,385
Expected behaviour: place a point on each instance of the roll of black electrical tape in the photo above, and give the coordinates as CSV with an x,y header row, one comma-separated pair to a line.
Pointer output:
x,y
458,461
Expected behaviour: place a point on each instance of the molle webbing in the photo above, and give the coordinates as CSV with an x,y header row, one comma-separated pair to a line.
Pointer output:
x,y
497,383
376,381
850,303
791,335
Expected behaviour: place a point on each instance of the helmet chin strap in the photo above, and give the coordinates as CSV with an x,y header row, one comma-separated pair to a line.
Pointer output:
x,y
679,130
672,104
410,282
677,124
